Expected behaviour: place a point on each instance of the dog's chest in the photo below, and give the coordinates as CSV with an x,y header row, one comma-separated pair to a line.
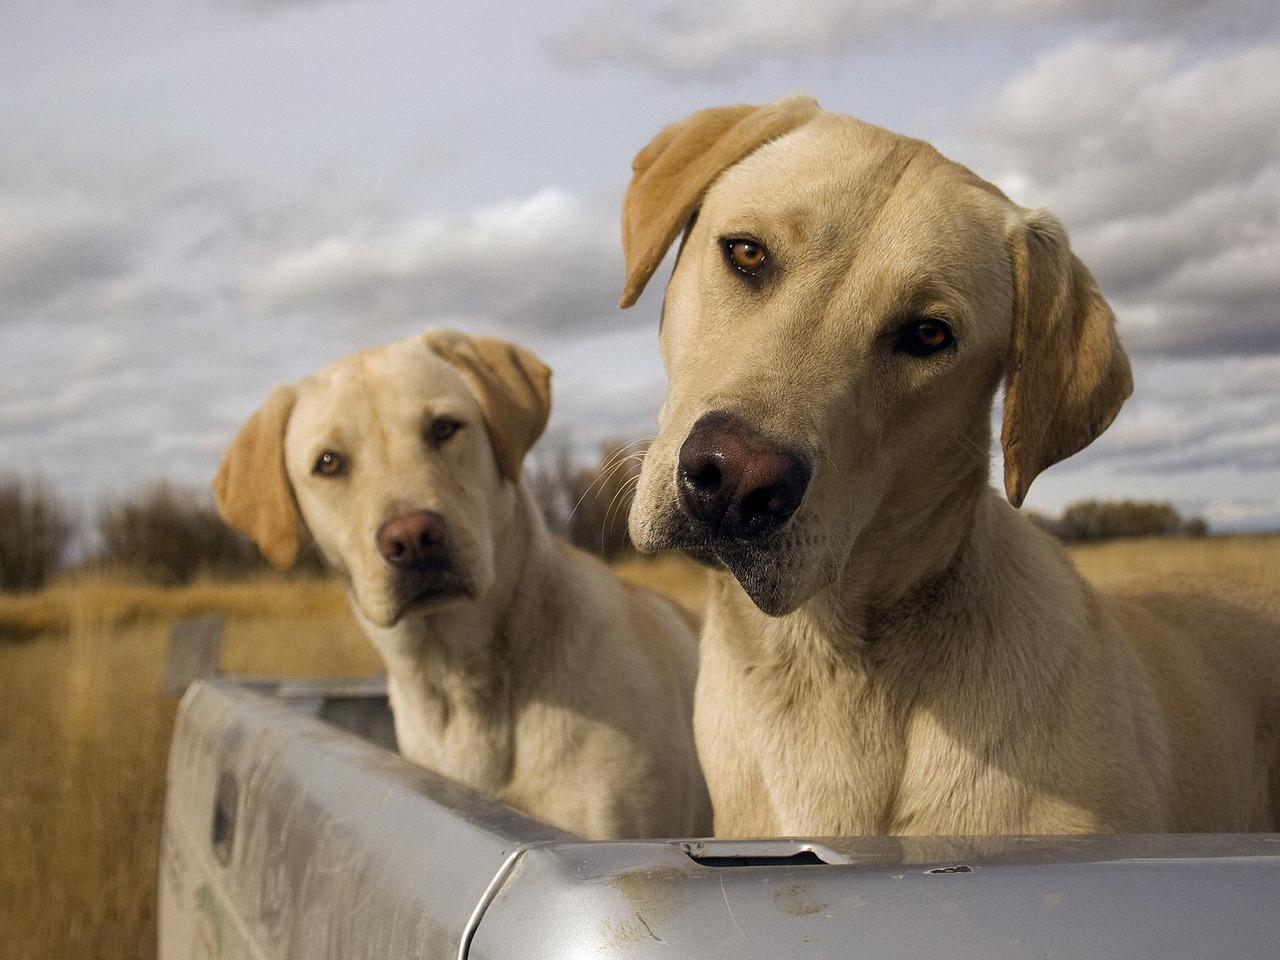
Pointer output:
x,y
948,785
822,756
452,735
839,751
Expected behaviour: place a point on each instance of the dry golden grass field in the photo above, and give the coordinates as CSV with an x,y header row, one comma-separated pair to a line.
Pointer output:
x,y
84,730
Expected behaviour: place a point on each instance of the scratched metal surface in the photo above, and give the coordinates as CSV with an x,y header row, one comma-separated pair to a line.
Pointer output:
x,y
1133,897
343,850
340,850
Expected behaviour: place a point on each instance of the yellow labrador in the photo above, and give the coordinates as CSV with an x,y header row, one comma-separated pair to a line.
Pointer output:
x,y
902,652
517,665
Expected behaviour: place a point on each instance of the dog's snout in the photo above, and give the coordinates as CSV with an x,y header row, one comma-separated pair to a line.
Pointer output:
x,y
736,482
414,540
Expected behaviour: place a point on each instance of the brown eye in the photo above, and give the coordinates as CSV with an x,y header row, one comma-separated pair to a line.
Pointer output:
x,y
329,464
923,338
746,256
441,429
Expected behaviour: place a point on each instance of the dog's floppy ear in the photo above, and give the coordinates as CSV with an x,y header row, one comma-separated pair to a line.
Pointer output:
x,y
671,174
252,489
1067,373
512,385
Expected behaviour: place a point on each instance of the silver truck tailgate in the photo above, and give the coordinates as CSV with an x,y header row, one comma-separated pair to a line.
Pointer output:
x,y
288,836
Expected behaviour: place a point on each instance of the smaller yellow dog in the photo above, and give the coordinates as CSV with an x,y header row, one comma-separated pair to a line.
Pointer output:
x,y
517,664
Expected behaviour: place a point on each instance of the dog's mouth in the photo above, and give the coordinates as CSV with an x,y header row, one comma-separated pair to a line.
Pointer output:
x,y
431,588
705,555
761,565
762,572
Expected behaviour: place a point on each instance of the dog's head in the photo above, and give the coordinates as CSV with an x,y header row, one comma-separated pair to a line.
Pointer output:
x,y
844,304
401,462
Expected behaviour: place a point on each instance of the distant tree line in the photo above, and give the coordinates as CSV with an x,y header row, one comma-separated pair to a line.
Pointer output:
x,y
35,531
163,534
1091,521
169,535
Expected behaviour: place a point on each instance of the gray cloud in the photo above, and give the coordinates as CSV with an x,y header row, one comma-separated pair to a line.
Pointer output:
x,y
185,227
1203,433
55,246
1189,416
142,319
714,39
272,5
550,261
1166,169
1108,129
1235,513
1247,454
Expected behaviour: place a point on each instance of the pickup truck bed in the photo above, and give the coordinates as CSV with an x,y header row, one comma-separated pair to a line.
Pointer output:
x,y
293,830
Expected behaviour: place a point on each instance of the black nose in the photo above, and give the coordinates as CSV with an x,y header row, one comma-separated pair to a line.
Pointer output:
x,y
734,481
415,540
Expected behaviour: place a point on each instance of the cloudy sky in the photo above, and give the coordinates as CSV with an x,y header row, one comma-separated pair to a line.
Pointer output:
x,y
202,198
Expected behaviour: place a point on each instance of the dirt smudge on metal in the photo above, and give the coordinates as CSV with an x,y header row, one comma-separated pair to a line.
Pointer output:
x,y
798,900
651,893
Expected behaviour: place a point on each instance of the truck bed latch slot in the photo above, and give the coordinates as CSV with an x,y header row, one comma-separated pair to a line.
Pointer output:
x,y
760,853
222,835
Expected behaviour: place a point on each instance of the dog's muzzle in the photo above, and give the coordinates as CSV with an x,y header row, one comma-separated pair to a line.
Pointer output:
x,y
417,547
734,483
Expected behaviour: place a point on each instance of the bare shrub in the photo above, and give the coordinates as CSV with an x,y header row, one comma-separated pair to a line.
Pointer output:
x,y
1195,527
588,504
169,535
35,532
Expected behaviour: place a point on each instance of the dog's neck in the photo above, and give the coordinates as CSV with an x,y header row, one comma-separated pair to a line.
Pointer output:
x,y
914,537
912,557
454,673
